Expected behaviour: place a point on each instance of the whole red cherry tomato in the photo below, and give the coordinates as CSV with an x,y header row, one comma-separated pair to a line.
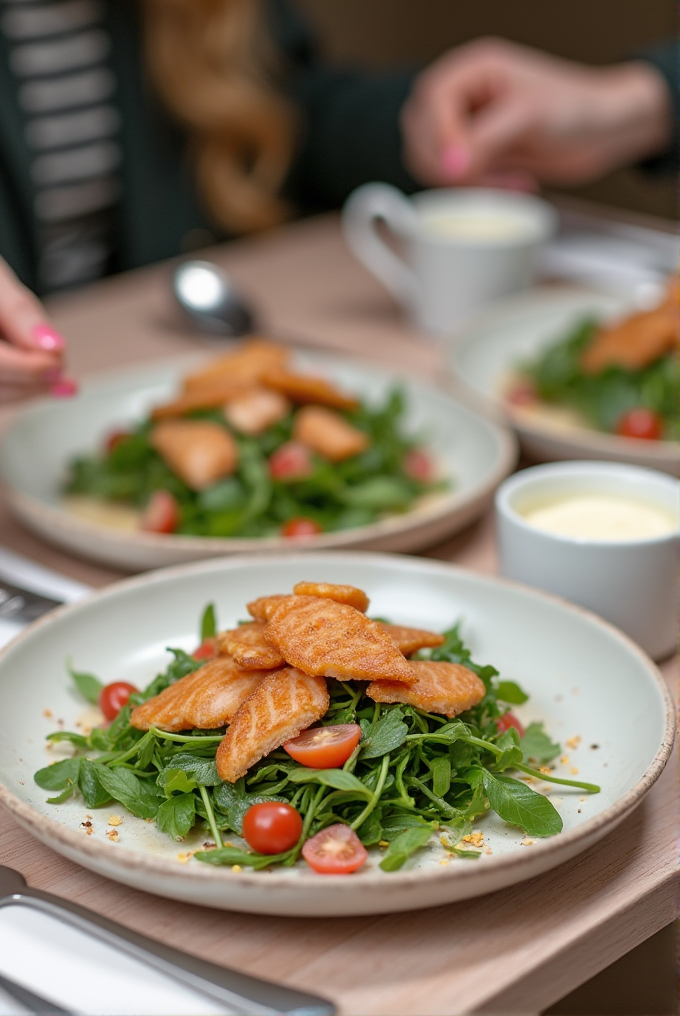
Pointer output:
x,y
114,696
641,423
508,720
336,850
292,461
418,465
271,827
161,514
324,747
112,440
300,526
206,650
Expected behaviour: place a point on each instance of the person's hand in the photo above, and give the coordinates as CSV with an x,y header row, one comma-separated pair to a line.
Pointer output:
x,y
493,112
31,350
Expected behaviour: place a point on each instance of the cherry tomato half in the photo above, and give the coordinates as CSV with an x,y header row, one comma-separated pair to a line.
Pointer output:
x,y
300,526
336,850
206,650
522,393
271,827
292,461
112,440
418,465
324,747
508,720
161,514
641,423
114,696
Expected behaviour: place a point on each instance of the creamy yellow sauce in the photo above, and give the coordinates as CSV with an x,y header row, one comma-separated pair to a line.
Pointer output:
x,y
104,513
480,226
603,517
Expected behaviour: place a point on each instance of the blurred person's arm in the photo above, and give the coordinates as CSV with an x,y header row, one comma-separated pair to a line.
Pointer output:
x,y
492,110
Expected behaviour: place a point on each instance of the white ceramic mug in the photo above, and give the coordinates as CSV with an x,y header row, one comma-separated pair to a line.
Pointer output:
x,y
462,247
634,583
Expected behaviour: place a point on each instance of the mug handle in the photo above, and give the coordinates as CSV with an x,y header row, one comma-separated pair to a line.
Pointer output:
x,y
380,202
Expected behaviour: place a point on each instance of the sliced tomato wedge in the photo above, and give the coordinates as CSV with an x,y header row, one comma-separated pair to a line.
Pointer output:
x,y
336,850
324,747
641,423
292,461
418,465
161,514
206,650
508,720
300,526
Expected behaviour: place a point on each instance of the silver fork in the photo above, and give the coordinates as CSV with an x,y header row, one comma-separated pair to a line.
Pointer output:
x,y
19,604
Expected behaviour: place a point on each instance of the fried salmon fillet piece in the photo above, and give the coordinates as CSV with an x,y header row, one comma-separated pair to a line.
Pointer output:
x,y
326,432
303,388
350,595
199,451
247,365
256,410
209,396
331,639
264,606
248,647
410,640
285,703
206,699
636,341
445,688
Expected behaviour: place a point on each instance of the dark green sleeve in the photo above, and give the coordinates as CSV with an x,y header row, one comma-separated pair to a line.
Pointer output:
x,y
349,129
665,58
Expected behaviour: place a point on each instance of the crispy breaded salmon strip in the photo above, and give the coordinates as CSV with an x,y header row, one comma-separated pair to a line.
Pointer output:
x,y
210,396
320,636
284,704
256,410
636,341
445,688
350,595
246,365
264,606
303,388
199,451
206,699
328,433
248,647
410,640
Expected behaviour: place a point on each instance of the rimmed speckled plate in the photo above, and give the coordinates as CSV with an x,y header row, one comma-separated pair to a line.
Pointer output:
x,y
487,352
474,454
573,665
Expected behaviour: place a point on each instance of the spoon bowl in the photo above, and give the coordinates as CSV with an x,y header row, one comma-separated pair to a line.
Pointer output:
x,y
208,297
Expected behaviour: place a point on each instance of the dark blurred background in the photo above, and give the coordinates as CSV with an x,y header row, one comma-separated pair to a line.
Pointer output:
x,y
381,33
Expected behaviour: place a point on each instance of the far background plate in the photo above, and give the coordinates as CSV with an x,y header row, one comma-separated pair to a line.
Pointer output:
x,y
475,453
492,346
584,677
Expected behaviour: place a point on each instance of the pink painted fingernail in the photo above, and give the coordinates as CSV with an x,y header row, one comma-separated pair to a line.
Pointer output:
x,y
47,338
455,161
64,389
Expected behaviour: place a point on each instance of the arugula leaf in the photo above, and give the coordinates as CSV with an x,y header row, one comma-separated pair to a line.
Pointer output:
x,y
59,775
177,816
339,779
208,623
389,733
202,770
509,691
90,786
405,844
232,855
66,735
441,775
519,805
138,796
88,685
173,780
537,745
232,800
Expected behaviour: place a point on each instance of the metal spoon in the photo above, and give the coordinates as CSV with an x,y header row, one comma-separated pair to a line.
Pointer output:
x,y
206,294
244,994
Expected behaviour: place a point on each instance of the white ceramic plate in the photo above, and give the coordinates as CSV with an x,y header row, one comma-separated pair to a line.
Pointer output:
x,y
491,347
475,454
575,667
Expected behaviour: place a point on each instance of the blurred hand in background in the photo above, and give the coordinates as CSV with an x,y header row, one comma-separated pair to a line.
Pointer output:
x,y
496,113
31,350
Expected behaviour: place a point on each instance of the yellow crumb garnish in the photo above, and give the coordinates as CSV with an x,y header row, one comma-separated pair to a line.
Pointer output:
x,y
526,842
443,860
476,839
573,742
546,770
565,760
183,858
48,713
386,843
112,834
574,770
236,867
115,820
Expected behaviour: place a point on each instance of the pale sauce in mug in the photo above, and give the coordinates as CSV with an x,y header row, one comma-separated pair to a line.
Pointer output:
x,y
478,226
603,517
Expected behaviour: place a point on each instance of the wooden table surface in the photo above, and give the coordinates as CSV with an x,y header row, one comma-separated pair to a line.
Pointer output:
x,y
518,950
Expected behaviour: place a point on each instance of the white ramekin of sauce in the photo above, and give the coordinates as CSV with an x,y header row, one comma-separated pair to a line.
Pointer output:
x,y
603,535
